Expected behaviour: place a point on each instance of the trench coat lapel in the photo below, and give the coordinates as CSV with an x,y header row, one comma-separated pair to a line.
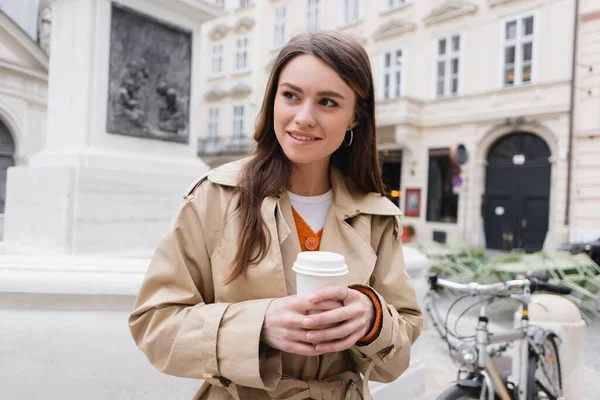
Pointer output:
x,y
288,239
274,279
340,237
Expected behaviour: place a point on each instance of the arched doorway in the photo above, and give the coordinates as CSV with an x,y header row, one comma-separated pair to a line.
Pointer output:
x,y
7,151
517,192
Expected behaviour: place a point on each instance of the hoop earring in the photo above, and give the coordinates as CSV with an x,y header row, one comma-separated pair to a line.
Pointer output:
x,y
351,138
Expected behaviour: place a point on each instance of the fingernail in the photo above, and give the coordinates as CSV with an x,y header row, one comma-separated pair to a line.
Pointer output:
x,y
312,297
317,348
308,322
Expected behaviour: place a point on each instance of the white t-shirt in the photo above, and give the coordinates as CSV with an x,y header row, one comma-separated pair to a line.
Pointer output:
x,y
313,209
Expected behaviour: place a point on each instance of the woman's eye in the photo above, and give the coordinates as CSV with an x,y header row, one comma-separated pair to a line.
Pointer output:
x,y
289,95
328,103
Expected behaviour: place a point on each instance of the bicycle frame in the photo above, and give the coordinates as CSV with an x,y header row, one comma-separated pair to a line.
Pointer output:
x,y
484,365
481,367
491,378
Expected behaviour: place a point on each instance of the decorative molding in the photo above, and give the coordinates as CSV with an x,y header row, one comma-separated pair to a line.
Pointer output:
x,y
215,94
240,90
394,27
493,3
71,275
590,16
360,39
244,24
450,9
218,31
26,43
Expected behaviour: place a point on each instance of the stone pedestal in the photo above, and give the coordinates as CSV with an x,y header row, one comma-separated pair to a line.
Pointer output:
x,y
83,218
121,141
564,318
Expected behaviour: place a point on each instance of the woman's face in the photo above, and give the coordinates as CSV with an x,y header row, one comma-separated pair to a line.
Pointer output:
x,y
313,110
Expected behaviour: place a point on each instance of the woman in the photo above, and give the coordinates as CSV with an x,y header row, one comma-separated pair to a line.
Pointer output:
x,y
218,302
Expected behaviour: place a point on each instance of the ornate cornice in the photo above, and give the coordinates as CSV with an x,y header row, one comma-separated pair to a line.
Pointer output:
x,y
450,9
493,3
215,94
394,27
244,24
218,31
241,89
359,38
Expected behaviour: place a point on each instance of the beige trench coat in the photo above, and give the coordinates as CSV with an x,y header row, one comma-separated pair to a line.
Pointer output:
x,y
189,324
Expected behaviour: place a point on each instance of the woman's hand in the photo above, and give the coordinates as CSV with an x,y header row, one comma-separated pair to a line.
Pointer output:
x,y
285,326
340,328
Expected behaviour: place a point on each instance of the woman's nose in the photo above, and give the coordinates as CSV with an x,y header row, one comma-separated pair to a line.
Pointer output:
x,y
305,118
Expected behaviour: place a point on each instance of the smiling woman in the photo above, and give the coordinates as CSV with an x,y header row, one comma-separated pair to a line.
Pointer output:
x,y
219,301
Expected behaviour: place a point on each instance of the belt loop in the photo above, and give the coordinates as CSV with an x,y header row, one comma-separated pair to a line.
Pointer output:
x,y
314,389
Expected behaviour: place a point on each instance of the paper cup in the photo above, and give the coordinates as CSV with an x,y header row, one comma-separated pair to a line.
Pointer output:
x,y
316,270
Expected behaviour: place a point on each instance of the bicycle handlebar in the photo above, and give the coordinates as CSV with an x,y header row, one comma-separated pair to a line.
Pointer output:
x,y
476,288
536,284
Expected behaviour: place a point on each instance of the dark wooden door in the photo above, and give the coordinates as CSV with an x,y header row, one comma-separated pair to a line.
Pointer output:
x,y
7,150
517,193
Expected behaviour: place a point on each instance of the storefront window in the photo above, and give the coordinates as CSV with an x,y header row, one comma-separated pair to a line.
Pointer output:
x,y
442,195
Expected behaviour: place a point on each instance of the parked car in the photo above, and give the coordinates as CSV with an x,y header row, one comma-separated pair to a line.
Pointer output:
x,y
592,249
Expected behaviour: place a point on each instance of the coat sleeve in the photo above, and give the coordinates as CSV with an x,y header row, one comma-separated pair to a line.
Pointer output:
x,y
402,318
176,323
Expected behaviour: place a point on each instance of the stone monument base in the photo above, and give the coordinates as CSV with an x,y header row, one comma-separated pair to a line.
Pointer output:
x,y
95,203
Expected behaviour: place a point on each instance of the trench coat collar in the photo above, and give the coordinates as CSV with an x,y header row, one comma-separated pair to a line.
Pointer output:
x,y
348,200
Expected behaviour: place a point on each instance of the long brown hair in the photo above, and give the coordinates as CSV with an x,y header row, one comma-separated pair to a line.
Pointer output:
x,y
267,172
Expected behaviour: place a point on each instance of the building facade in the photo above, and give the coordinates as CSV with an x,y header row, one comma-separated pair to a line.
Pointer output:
x,y
23,96
585,194
493,76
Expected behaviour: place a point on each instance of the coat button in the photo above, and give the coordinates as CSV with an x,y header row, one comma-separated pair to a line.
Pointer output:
x,y
311,243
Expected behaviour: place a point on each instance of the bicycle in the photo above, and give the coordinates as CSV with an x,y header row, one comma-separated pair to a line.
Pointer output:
x,y
540,371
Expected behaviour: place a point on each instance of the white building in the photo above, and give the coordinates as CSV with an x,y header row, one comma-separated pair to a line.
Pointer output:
x,y
585,195
23,88
493,75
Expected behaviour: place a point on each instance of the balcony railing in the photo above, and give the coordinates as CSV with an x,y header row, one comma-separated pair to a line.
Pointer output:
x,y
225,145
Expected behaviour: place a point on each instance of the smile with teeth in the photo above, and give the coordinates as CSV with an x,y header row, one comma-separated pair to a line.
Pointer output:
x,y
303,138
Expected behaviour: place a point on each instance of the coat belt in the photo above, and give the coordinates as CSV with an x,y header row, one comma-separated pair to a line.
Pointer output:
x,y
338,387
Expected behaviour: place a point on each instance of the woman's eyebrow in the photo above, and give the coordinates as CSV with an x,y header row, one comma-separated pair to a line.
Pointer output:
x,y
323,93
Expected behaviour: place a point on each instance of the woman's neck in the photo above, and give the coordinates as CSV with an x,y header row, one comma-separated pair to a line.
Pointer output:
x,y
309,179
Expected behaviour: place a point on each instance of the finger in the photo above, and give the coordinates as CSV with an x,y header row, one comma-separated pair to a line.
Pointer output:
x,y
301,349
334,333
302,304
331,317
338,345
326,305
330,293
295,335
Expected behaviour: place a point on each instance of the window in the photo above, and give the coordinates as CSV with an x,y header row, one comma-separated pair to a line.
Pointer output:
x,y
313,15
395,3
211,142
241,54
220,4
518,51
213,124
238,124
351,11
442,197
392,74
447,66
280,22
217,58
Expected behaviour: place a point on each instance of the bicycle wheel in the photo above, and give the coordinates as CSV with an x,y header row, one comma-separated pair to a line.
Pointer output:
x,y
543,373
460,393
